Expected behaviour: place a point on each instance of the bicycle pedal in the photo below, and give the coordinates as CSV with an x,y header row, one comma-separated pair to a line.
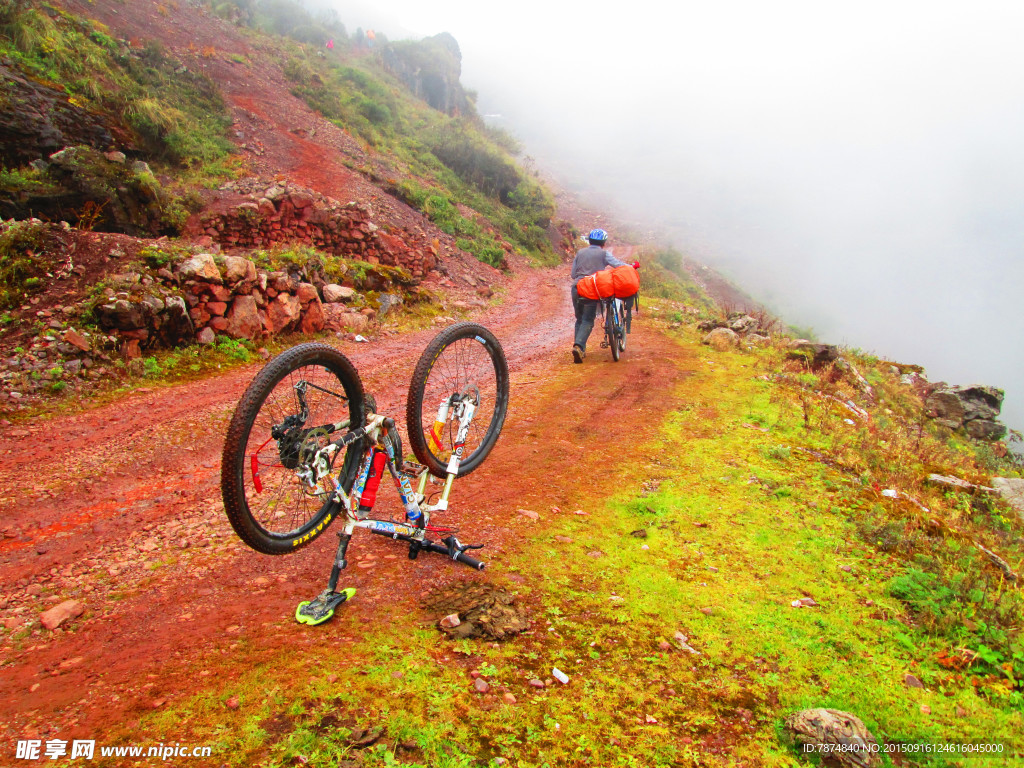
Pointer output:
x,y
321,608
412,469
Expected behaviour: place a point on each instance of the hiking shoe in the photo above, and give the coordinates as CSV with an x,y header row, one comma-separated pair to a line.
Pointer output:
x,y
578,353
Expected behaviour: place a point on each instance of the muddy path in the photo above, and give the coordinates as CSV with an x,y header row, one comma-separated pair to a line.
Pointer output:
x,y
119,507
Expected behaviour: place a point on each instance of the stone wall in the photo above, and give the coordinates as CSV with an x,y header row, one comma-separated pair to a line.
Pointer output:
x,y
200,299
283,214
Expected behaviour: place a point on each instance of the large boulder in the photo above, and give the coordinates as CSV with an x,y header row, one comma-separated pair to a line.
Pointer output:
x,y
237,269
338,318
946,408
814,353
974,408
283,313
722,339
334,293
200,267
124,315
175,328
116,197
985,429
743,324
313,320
840,735
243,319
387,302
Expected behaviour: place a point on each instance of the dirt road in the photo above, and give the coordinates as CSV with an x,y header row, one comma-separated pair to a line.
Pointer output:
x,y
118,507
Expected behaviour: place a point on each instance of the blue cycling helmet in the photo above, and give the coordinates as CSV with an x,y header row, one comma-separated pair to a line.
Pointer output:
x,y
597,235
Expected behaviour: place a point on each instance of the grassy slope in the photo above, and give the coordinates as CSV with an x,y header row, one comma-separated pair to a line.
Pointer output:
x,y
739,524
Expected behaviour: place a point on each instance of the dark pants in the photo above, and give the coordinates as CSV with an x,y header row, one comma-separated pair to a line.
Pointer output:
x,y
586,311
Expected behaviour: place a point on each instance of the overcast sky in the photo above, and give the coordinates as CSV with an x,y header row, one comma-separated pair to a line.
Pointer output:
x,y
857,166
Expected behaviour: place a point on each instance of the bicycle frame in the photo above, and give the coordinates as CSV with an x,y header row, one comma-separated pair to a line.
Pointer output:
x,y
418,513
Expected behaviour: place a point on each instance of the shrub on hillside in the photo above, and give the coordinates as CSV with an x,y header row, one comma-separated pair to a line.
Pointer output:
x,y
475,162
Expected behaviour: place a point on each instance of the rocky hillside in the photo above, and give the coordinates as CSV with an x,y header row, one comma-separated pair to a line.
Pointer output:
x,y
251,216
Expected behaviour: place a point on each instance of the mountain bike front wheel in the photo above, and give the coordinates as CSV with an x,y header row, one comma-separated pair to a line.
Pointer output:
x,y
276,492
464,360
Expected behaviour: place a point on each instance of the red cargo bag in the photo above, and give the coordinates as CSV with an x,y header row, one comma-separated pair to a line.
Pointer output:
x,y
621,282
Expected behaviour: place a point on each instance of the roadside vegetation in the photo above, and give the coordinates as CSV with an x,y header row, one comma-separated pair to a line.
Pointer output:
x,y
459,172
176,114
764,550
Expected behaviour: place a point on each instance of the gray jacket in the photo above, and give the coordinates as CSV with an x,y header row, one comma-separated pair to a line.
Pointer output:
x,y
590,260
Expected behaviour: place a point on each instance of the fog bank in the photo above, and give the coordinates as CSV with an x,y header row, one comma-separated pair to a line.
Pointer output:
x,y
858,169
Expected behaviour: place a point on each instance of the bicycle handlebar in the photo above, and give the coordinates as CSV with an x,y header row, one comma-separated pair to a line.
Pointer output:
x,y
462,557
433,546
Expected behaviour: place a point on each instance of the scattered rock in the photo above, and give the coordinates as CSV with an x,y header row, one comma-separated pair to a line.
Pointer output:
x,y
842,735
1011,489
911,681
481,686
684,644
529,514
722,339
56,616
233,703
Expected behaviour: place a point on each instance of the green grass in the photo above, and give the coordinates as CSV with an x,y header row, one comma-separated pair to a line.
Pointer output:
x,y
738,524
431,160
178,115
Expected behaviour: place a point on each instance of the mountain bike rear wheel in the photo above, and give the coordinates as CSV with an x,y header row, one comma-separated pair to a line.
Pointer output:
x,y
620,325
609,330
465,359
301,400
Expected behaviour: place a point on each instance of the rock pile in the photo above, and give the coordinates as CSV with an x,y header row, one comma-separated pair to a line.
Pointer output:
x,y
736,328
233,298
288,214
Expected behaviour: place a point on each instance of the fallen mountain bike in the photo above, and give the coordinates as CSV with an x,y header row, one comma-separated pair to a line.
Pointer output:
x,y
306,446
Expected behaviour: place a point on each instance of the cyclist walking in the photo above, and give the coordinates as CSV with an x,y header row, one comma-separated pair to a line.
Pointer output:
x,y
588,260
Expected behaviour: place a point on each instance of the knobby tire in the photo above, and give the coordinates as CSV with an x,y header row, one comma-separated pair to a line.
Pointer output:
x,y
462,355
283,514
